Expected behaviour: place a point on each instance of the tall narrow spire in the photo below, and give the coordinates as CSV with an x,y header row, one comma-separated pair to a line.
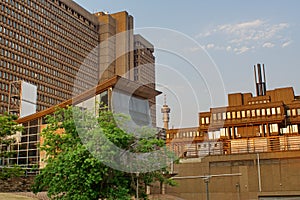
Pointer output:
x,y
165,111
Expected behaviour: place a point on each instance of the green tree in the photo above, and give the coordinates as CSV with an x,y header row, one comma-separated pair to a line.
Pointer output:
x,y
80,166
8,128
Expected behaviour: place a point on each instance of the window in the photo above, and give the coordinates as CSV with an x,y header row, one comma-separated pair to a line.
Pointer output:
x,y
238,114
228,115
243,114
233,115
214,116
224,115
263,112
295,128
268,111
219,116
288,112
248,113
273,128
223,132
207,120
253,113
258,112
278,111
202,120
273,111
294,112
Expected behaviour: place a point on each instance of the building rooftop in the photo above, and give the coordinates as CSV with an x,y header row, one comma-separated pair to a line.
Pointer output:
x,y
117,82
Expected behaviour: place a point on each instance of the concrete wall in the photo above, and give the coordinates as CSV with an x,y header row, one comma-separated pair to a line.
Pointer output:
x,y
279,175
17,184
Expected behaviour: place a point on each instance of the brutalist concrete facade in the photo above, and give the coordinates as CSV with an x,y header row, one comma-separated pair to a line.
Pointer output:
x,y
238,177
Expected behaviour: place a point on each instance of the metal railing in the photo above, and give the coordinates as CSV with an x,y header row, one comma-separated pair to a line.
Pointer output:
x,y
240,146
263,144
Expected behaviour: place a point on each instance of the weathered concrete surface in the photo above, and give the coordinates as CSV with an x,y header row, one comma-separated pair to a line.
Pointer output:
x,y
11,196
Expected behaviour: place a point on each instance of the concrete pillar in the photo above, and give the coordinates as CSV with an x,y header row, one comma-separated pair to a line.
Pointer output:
x,y
162,188
268,130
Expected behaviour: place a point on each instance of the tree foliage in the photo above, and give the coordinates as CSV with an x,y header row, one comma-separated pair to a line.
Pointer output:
x,y
8,128
74,172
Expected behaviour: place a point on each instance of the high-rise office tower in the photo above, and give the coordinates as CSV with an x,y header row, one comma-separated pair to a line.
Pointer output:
x,y
61,48
116,47
45,42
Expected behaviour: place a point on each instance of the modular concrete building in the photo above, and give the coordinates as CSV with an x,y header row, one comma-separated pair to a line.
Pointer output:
x,y
249,149
266,122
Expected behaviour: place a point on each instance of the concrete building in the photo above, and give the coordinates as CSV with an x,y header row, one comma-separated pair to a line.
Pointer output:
x,y
144,67
260,176
267,122
249,149
116,45
61,48
111,92
45,43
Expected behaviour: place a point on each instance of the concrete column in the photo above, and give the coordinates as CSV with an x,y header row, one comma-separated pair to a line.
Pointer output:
x,y
268,130
162,188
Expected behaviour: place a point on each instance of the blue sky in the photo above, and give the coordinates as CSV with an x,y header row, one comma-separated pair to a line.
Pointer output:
x,y
227,37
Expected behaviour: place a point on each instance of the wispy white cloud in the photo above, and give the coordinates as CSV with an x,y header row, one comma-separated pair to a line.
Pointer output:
x,y
241,50
286,44
240,28
210,46
268,45
205,34
245,36
228,48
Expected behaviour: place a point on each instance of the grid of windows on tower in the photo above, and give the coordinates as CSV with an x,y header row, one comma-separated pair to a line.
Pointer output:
x,y
260,112
48,44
